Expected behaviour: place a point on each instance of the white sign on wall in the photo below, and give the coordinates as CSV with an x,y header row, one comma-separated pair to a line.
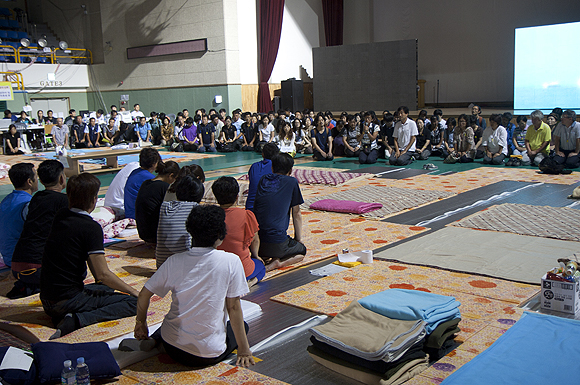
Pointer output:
x,y
62,76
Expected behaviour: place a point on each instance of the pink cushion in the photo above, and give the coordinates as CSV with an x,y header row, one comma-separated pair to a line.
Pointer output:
x,y
345,206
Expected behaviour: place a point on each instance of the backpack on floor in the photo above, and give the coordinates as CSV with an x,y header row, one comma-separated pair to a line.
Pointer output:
x,y
550,166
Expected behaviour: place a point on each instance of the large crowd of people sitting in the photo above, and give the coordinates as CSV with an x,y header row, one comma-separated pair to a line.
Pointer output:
x,y
396,137
189,239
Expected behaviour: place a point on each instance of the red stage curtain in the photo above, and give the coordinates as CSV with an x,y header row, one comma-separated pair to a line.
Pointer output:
x,y
333,13
271,12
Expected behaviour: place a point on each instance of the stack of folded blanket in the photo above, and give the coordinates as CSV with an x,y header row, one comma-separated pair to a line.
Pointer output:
x,y
384,338
441,314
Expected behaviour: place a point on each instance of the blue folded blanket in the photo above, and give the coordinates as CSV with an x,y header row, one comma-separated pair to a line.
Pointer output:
x,y
538,349
403,304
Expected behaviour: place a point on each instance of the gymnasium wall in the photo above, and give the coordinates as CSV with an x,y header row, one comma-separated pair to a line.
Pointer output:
x,y
469,45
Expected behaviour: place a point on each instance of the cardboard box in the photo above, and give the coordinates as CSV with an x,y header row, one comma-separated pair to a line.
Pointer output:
x,y
560,296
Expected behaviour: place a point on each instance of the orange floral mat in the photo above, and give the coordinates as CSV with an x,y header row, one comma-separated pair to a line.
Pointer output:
x,y
488,305
161,369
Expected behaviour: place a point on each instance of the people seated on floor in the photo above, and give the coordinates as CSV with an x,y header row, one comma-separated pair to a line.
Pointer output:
x,y
218,124
423,144
297,127
476,111
115,195
155,124
27,256
387,143
278,195
137,114
14,208
404,136
506,121
241,229
518,142
172,236
249,131
464,142
552,120
189,137
368,135
206,136
75,241
143,130
149,159
437,137
266,132
447,146
149,198
194,170
110,133
477,137
286,138
306,136
227,140
60,134
93,133
538,138
13,142
167,131
494,141
350,133
567,140
258,170
321,140
205,284
442,122
78,132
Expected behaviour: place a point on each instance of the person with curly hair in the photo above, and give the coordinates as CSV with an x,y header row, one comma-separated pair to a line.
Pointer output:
x,y
206,285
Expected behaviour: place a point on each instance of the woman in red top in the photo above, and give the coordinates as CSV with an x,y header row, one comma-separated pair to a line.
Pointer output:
x,y
242,229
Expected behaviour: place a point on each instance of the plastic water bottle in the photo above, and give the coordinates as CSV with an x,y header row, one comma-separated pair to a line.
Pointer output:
x,y
68,375
82,372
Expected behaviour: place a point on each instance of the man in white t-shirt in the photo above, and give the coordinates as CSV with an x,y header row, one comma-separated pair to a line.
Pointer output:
x,y
404,136
567,140
115,196
136,113
206,285
494,141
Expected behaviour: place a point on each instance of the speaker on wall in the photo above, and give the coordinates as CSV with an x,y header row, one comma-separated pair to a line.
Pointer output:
x,y
293,94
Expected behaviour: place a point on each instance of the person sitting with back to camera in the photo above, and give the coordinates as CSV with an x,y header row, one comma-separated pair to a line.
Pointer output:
x,y
242,229
277,197
27,256
172,236
258,170
75,241
206,285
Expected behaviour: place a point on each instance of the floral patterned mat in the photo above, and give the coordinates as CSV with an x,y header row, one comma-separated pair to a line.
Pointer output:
x,y
488,305
161,369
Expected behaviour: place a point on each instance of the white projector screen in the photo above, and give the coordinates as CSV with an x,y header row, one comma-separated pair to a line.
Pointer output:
x,y
547,67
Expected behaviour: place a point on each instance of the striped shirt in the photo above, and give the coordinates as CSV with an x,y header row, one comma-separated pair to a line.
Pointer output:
x,y
172,237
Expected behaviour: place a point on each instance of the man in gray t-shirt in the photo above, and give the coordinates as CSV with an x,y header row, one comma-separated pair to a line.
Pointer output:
x,y
59,133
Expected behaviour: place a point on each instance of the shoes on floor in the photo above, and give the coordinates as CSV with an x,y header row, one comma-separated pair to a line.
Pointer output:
x,y
430,166
510,162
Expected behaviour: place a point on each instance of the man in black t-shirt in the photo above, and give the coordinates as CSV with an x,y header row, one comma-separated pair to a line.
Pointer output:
x,y
27,257
65,298
206,135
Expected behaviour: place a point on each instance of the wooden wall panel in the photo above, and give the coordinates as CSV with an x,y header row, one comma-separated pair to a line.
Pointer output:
x,y
250,95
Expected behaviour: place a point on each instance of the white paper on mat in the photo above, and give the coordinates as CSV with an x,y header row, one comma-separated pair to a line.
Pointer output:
x,y
16,359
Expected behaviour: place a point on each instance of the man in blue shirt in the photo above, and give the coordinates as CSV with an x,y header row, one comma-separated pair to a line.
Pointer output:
x,y
14,208
149,158
279,195
143,130
258,170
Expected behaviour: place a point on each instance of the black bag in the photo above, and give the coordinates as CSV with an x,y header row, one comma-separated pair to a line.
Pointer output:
x,y
550,166
177,147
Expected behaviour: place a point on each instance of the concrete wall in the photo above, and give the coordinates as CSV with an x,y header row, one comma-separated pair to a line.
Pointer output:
x,y
469,45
